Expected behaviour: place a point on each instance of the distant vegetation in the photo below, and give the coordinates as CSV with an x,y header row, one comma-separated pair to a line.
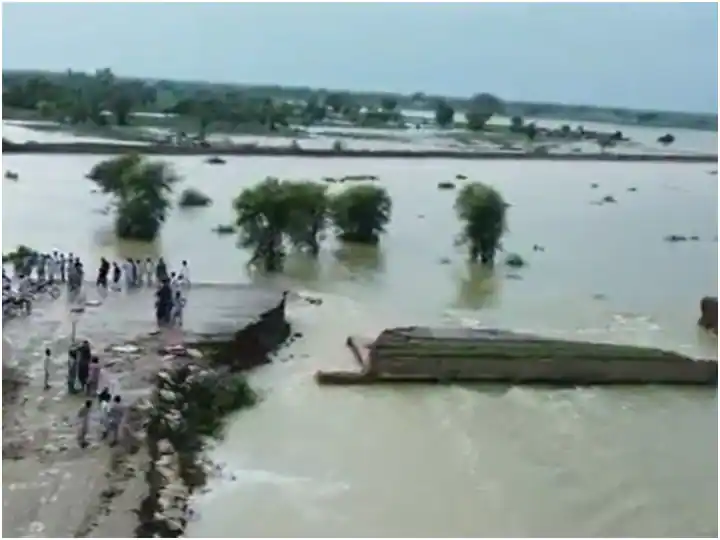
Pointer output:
x,y
102,99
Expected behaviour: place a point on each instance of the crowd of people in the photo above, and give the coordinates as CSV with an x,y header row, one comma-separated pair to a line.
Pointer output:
x,y
84,376
84,370
38,272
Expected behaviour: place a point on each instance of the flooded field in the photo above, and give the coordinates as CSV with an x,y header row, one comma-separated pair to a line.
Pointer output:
x,y
643,140
455,461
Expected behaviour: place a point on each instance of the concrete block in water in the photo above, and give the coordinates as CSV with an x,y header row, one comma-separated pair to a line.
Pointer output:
x,y
419,354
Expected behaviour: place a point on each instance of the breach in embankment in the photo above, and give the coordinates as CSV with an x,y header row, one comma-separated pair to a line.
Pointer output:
x,y
425,355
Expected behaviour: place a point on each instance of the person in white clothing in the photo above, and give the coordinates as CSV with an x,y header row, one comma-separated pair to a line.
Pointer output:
x,y
177,309
52,268
184,277
24,292
149,269
127,273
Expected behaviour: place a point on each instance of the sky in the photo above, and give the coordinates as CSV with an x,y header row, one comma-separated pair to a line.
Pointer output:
x,y
647,56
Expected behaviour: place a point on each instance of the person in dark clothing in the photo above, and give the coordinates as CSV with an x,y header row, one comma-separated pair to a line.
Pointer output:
x,y
104,396
116,275
72,369
84,357
161,272
163,303
61,267
134,273
102,279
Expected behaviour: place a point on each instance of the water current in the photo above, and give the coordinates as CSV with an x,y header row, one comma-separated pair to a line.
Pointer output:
x,y
455,461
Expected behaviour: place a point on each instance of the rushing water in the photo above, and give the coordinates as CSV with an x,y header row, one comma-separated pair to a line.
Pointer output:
x,y
454,461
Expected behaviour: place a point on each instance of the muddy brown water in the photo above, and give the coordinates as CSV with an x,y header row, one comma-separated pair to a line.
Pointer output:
x,y
447,461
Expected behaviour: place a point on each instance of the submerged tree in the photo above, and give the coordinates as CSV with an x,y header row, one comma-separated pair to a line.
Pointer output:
x,y
142,191
308,214
273,211
361,212
482,210
262,217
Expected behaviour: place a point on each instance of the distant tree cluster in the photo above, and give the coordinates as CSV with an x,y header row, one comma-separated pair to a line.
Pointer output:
x,y
101,99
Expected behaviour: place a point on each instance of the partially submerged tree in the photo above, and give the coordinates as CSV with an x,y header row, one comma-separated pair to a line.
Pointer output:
x,y
142,191
482,210
273,211
361,212
263,216
308,214
192,197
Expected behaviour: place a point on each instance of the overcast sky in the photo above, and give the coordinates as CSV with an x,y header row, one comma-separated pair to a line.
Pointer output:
x,y
655,56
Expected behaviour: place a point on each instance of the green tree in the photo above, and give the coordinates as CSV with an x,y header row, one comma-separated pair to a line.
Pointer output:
x,y
388,104
444,114
482,108
308,214
314,111
516,124
361,212
482,211
338,101
273,211
141,190
263,216
418,97
531,131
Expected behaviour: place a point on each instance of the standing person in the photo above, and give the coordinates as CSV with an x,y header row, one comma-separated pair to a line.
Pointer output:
x,y
84,423
116,276
127,274
161,271
24,293
73,364
134,272
104,403
149,270
61,267
102,278
80,270
163,303
70,259
52,267
84,356
174,283
184,274
46,369
41,266
94,372
115,416
140,272
177,309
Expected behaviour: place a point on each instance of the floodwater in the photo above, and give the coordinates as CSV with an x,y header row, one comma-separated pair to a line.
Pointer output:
x,y
442,461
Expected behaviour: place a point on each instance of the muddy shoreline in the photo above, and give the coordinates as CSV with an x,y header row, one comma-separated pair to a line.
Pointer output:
x,y
53,488
289,151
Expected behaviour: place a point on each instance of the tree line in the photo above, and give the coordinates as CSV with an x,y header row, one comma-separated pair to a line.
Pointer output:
x,y
276,215
101,99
